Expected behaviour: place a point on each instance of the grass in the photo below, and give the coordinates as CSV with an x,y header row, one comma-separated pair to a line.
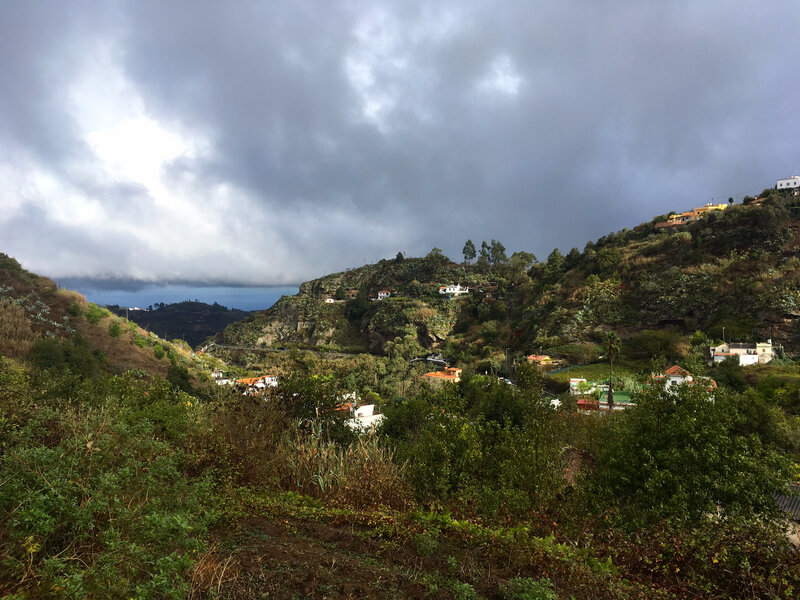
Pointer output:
x,y
594,372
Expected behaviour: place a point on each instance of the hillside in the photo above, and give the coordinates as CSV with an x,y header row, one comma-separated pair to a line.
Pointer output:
x,y
188,320
731,272
60,329
353,322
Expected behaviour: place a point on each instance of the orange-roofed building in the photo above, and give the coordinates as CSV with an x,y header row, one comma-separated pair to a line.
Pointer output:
x,y
539,358
448,374
257,384
544,361
676,220
676,375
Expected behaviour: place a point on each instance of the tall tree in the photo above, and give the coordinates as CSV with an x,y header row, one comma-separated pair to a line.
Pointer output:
x,y
572,259
497,253
555,265
613,346
469,252
484,258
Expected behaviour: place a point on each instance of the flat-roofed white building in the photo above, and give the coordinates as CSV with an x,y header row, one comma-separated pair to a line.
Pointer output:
x,y
789,183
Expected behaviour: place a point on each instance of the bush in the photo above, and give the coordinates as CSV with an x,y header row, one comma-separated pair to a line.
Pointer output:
x,y
115,330
525,588
74,355
360,475
683,455
15,398
159,352
179,377
94,313
75,309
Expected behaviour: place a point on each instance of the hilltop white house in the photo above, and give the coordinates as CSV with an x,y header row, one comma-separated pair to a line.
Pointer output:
x,y
789,183
453,290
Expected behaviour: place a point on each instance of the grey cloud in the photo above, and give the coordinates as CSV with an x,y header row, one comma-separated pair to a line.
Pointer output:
x,y
623,111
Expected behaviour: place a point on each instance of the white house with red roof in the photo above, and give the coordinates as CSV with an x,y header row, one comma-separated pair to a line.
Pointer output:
x,y
453,290
675,376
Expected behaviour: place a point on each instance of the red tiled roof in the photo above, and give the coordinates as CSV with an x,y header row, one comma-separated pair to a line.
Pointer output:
x,y
677,371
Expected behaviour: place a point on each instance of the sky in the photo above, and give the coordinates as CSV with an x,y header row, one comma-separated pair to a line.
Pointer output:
x,y
268,143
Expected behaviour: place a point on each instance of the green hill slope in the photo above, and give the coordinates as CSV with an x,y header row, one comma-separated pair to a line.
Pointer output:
x,y
735,269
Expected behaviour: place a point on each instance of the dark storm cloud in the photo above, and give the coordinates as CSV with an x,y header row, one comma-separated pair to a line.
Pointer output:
x,y
338,133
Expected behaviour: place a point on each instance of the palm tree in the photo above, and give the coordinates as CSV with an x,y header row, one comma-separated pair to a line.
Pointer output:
x,y
612,345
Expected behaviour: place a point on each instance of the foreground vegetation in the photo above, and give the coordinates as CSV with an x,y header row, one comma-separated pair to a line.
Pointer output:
x,y
126,486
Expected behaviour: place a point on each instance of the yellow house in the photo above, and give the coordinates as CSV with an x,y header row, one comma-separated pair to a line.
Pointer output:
x,y
690,215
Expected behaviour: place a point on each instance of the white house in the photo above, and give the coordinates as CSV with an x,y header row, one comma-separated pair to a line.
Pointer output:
x,y
329,300
675,376
789,183
578,386
383,294
747,354
453,290
364,419
220,379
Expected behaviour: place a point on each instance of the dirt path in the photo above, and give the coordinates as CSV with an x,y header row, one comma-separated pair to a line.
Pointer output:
x,y
283,559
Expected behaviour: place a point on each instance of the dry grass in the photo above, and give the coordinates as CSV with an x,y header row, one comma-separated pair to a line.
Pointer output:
x,y
16,334
71,296
210,572
362,475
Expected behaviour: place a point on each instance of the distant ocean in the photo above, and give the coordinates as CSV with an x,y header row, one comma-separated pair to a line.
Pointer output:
x,y
243,298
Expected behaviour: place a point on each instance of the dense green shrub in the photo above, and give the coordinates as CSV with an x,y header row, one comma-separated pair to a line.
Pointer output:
x,y
159,352
464,443
115,329
179,377
684,455
94,313
525,588
73,354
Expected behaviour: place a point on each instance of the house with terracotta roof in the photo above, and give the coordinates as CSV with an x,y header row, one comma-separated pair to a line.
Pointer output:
x,y
451,374
675,376
255,385
544,361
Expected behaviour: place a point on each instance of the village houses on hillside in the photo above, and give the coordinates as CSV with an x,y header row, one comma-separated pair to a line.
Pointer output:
x,y
746,353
